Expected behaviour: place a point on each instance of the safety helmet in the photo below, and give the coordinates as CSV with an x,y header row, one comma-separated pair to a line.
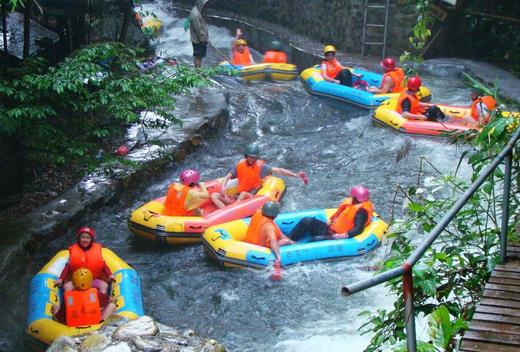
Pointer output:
x,y
388,63
275,45
82,279
424,94
252,150
414,83
241,42
271,209
86,229
360,193
189,176
328,49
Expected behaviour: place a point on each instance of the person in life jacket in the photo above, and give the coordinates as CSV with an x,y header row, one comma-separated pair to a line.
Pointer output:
x,y
349,220
250,172
240,54
334,72
185,198
263,231
275,54
409,105
84,305
86,253
481,107
393,78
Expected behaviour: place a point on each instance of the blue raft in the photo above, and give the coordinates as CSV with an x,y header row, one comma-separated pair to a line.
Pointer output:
x,y
223,243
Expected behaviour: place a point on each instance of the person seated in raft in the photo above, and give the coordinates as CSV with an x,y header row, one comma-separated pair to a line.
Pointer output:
x,y
334,72
351,218
275,55
84,305
481,108
185,198
240,54
409,105
393,78
86,253
264,232
250,172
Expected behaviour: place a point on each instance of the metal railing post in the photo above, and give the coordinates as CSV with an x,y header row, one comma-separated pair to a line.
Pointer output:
x,y
409,317
505,207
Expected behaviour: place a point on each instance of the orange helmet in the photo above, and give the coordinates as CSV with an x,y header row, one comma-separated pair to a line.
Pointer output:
x,y
82,279
388,63
414,83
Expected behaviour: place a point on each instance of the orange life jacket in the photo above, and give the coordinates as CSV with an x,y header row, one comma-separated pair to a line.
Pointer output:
x,y
415,107
333,68
249,175
397,77
82,307
277,57
243,59
344,222
489,104
254,233
175,202
92,259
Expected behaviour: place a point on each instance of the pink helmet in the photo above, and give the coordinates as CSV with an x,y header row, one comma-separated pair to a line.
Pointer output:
x,y
360,193
388,63
86,229
189,176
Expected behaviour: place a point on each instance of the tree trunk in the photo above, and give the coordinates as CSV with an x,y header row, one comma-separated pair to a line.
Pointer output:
x,y
27,29
126,21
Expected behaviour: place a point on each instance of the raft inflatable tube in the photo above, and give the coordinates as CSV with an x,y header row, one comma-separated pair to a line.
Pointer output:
x,y
261,72
148,221
387,116
43,329
223,243
315,85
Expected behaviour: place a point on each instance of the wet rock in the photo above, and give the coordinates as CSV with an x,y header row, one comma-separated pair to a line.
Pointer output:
x,y
165,329
146,345
142,326
94,343
63,344
174,339
120,347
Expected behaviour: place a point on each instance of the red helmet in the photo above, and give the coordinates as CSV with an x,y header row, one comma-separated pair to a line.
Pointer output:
x,y
86,229
388,63
360,193
189,176
414,83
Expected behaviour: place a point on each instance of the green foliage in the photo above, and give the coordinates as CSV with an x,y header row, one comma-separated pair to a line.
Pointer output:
x,y
448,279
419,36
66,113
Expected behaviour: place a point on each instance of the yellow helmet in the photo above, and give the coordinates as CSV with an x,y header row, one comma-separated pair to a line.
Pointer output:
x,y
82,279
241,42
424,94
329,48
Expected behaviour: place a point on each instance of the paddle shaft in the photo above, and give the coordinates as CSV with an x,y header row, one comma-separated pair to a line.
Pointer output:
x,y
223,55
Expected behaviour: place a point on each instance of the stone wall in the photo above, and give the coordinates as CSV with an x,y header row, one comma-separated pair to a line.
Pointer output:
x,y
339,22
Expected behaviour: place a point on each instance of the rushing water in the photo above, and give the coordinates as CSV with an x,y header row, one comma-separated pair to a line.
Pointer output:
x,y
337,145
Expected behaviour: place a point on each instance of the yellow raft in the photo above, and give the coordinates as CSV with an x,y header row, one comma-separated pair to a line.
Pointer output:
x,y
223,243
43,329
149,222
261,72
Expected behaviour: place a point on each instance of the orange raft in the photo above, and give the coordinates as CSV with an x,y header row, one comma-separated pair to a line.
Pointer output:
x,y
149,222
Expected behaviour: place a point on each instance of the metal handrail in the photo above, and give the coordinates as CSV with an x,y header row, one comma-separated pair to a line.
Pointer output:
x,y
405,270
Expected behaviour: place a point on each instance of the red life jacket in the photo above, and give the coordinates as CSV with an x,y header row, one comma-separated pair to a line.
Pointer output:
x,y
249,175
255,230
276,57
242,59
487,102
92,259
82,307
333,68
175,202
415,103
344,222
397,77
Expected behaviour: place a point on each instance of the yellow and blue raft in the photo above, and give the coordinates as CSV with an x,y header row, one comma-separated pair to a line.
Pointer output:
x,y
261,72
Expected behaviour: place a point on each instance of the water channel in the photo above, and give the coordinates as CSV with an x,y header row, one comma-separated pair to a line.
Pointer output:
x,y
337,145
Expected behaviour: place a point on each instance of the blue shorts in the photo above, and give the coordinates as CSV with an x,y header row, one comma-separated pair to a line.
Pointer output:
x,y
199,50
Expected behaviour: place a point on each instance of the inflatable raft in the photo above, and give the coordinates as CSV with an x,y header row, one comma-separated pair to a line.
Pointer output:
x,y
261,72
316,85
386,115
43,329
148,221
223,243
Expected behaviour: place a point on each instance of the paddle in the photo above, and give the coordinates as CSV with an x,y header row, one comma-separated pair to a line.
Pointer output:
x,y
223,55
